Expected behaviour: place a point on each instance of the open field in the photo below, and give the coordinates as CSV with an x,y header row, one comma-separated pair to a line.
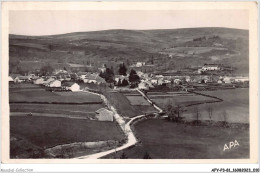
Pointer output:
x,y
235,106
122,104
87,110
48,132
40,95
138,102
168,140
175,98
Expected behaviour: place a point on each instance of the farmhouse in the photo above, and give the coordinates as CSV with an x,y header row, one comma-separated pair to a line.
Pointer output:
x,y
93,78
143,86
55,83
154,81
48,80
241,79
39,81
20,79
10,79
72,86
82,75
227,79
104,114
211,67
140,64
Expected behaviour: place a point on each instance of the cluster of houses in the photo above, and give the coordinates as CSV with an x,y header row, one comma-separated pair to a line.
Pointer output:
x,y
151,81
69,81
59,80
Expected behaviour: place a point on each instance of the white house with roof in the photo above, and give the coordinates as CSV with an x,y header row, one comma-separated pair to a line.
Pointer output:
x,y
71,86
20,79
38,81
55,83
140,64
10,79
228,79
48,80
143,86
104,114
93,78
82,75
154,81
211,67
241,79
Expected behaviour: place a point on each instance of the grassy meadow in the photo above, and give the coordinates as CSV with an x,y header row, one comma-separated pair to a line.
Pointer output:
x,y
41,95
234,108
48,132
168,140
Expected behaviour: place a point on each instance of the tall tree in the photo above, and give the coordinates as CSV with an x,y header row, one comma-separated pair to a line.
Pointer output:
x,y
133,77
119,83
108,75
122,69
124,82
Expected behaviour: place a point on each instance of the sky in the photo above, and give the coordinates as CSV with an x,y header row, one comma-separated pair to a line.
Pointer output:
x,y
59,22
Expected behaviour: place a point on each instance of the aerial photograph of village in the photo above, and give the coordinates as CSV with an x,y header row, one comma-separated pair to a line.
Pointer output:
x,y
143,90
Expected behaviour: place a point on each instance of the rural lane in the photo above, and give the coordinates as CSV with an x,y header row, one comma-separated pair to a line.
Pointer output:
x,y
131,139
155,106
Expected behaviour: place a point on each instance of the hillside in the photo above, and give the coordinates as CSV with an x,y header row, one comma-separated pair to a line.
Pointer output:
x,y
178,47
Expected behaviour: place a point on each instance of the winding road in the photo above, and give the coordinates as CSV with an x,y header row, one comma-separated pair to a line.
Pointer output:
x,y
131,139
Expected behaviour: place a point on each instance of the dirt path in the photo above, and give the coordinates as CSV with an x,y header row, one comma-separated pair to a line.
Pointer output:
x,y
131,139
150,101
